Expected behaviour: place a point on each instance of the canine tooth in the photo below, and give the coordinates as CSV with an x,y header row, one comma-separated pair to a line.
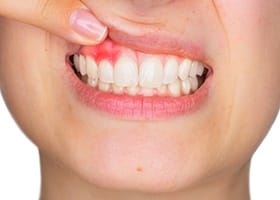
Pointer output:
x,y
92,81
175,88
106,72
186,87
82,65
133,90
117,89
92,70
105,87
126,72
184,69
147,92
76,62
194,83
197,68
151,73
170,70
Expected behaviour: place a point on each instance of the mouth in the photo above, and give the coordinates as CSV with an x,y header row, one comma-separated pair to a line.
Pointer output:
x,y
130,84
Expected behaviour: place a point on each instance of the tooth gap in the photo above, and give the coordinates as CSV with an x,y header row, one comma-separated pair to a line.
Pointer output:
x,y
205,72
201,79
71,60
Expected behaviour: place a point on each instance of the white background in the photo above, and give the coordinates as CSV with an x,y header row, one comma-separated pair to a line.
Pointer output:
x,y
20,171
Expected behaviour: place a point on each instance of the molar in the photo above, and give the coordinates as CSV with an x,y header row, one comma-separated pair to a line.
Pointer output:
x,y
194,83
197,68
76,62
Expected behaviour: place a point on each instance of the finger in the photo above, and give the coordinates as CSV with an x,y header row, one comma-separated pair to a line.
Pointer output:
x,y
69,19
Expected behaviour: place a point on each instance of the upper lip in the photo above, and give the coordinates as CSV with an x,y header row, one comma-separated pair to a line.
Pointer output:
x,y
158,42
153,39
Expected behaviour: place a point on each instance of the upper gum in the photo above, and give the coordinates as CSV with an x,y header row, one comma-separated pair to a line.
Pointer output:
x,y
113,52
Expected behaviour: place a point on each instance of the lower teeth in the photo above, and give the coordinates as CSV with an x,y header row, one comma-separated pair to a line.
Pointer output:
x,y
176,89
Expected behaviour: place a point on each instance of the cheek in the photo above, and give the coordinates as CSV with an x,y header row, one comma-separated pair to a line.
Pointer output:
x,y
28,80
249,20
252,29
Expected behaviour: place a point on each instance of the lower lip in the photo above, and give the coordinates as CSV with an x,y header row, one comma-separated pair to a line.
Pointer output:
x,y
138,107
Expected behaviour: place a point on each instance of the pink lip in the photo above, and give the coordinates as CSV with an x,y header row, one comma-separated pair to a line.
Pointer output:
x,y
140,107
160,42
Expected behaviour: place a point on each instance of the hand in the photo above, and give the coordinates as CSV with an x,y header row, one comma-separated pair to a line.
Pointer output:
x,y
69,19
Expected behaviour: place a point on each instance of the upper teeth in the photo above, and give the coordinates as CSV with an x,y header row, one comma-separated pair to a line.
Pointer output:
x,y
174,76
126,72
151,73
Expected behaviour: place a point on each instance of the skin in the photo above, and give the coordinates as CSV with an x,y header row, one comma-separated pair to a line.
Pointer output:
x,y
89,155
45,14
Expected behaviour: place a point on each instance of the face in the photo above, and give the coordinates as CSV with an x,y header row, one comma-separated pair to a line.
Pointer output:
x,y
173,141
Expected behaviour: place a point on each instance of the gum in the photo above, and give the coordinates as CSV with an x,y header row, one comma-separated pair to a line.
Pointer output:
x,y
106,50
111,51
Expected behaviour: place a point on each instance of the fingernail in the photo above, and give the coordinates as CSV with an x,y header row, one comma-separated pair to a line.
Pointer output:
x,y
84,23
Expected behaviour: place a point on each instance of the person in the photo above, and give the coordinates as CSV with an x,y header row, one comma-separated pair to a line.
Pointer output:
x,y
162,99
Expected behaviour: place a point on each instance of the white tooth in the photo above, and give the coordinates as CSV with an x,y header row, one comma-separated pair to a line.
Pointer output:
x,y
106,72
105,87
92,70
194,83
162,90
133,90
82,65
170,70
125,72
184,69
147,92
151,73
175,89
186,87
197,68
76,62
200,69
92,81
117,89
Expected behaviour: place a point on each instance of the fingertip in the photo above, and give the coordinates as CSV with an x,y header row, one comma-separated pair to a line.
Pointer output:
x,y
85,24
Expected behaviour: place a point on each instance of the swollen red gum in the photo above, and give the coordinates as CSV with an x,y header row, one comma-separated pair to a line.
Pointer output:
x,y
111,51
105,50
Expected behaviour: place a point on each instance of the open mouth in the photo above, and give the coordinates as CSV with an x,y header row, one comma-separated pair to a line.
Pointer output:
x,y
133,84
